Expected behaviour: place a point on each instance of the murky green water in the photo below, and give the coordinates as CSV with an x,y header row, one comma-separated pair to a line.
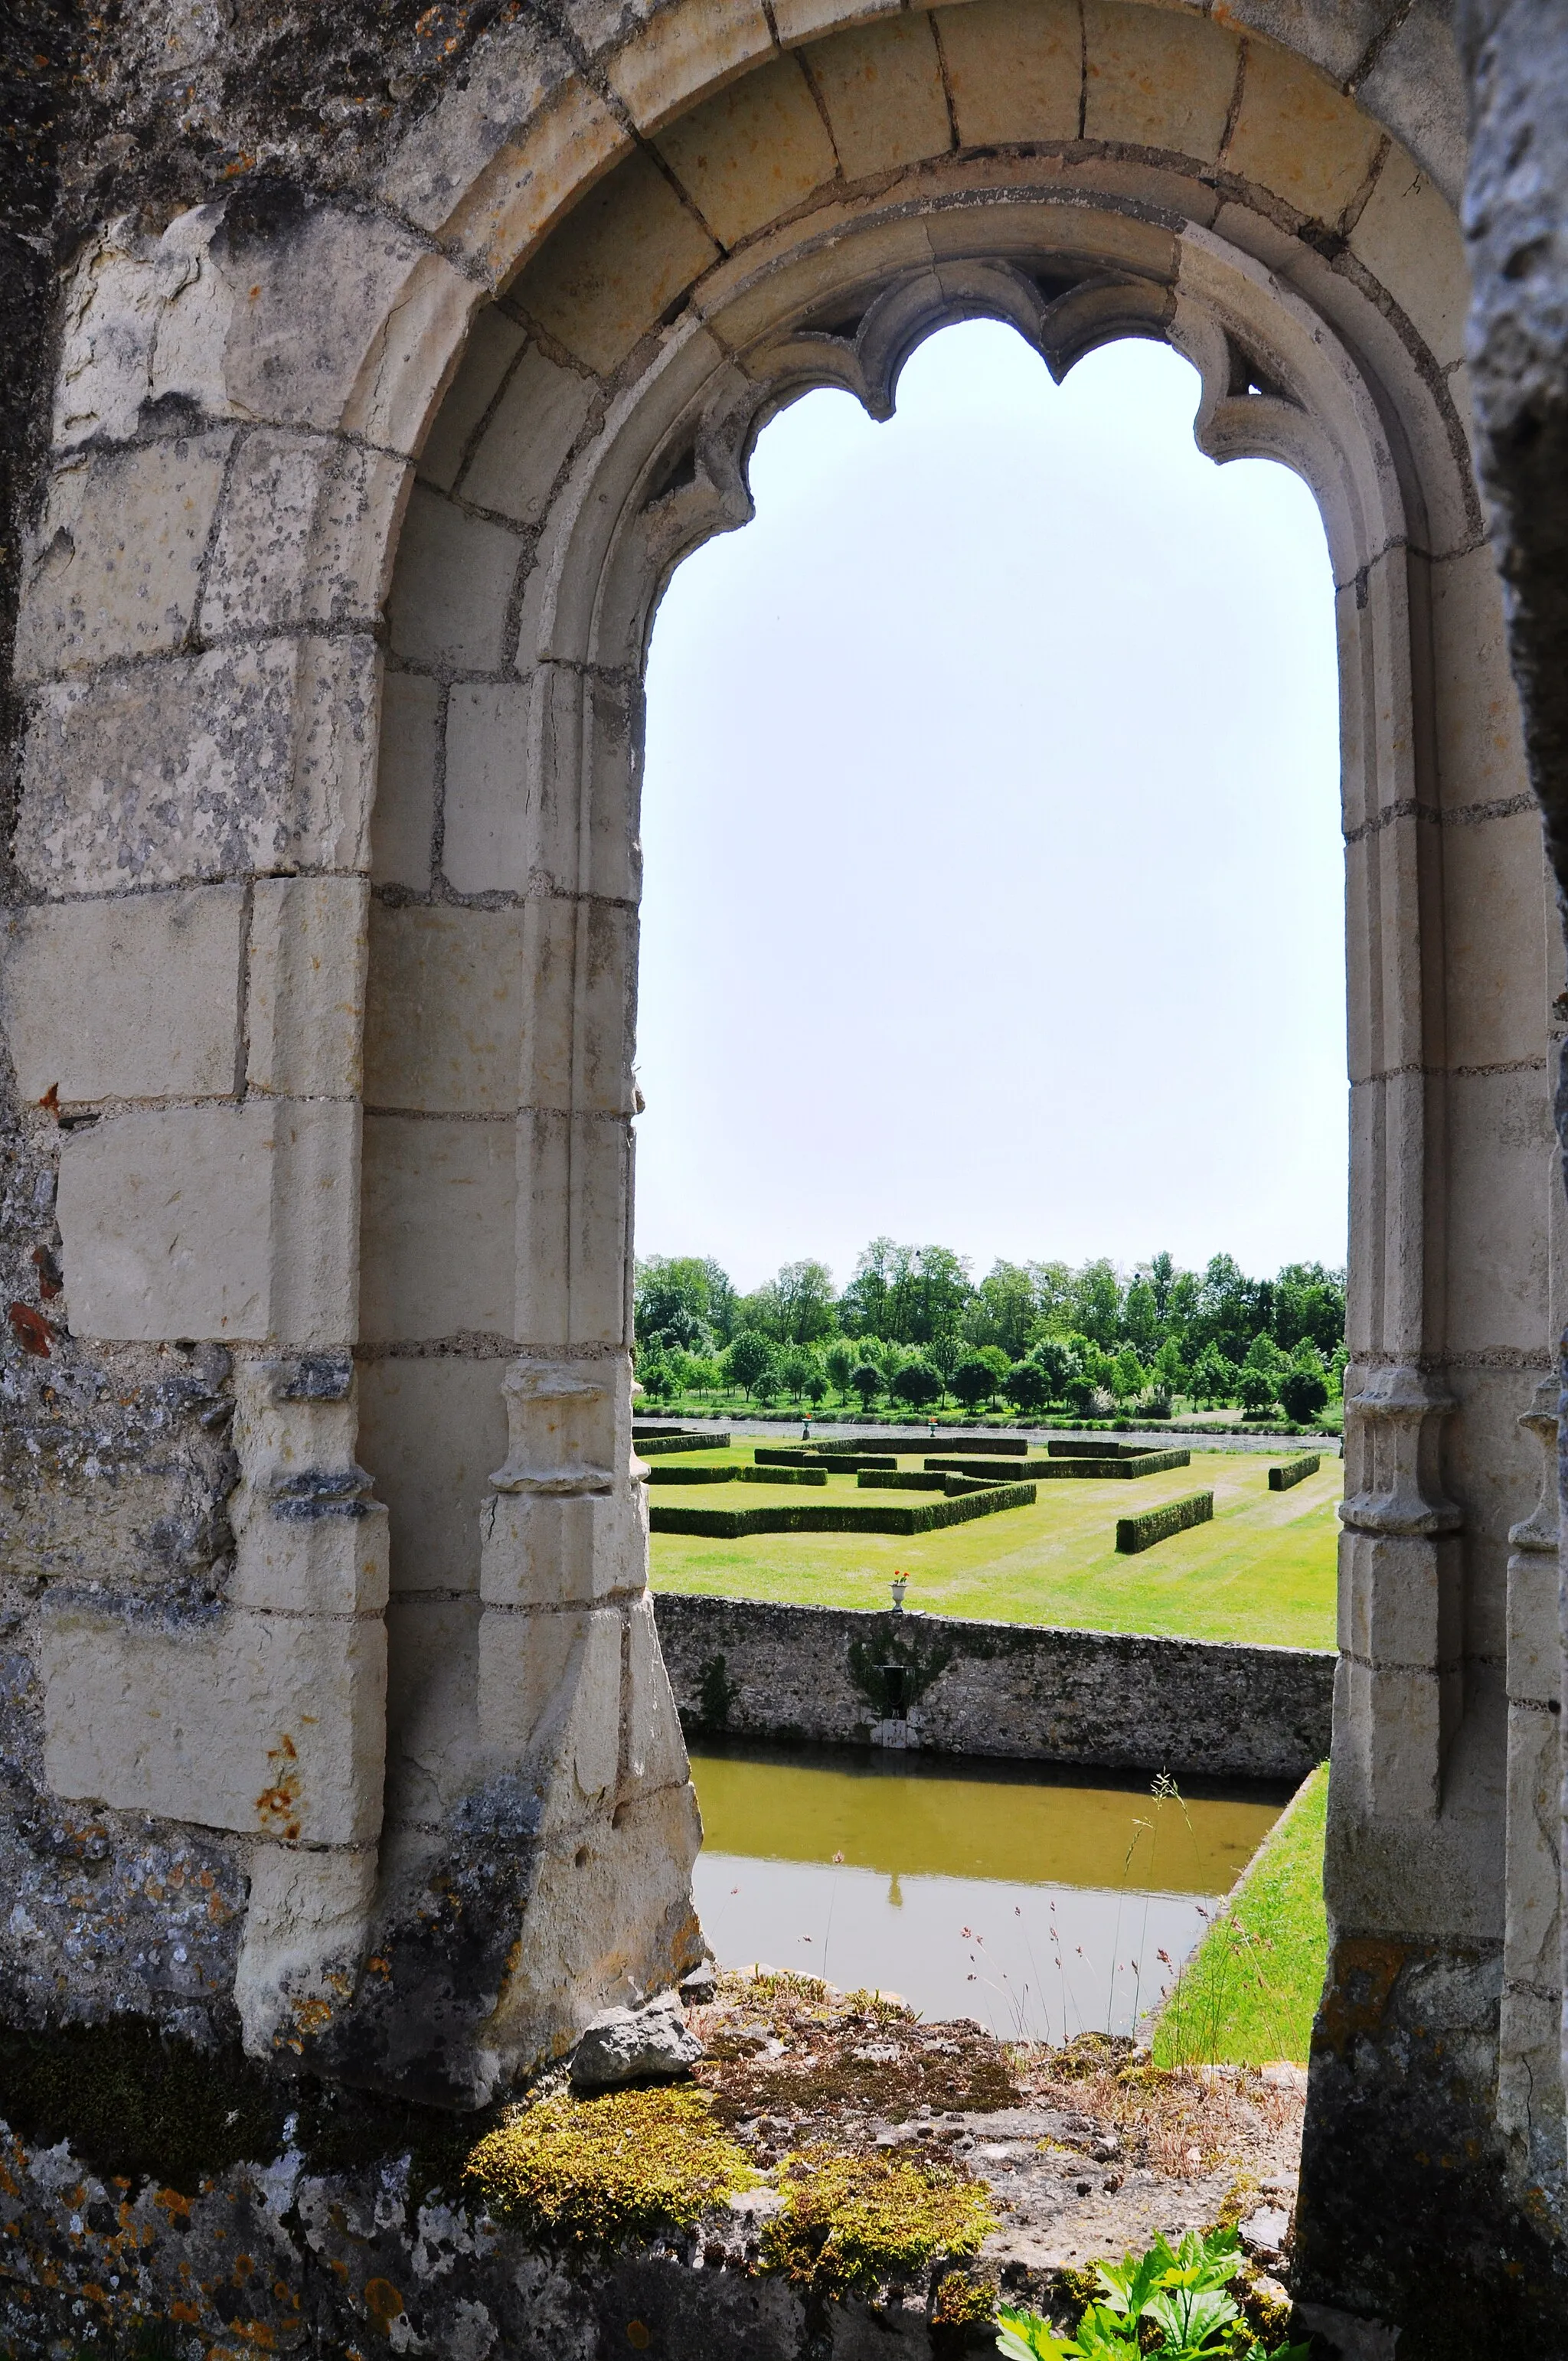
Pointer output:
x,y
1039,1905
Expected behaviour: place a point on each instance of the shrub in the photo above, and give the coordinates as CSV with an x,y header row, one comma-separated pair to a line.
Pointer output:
x,y
1141,1532
1304,1393
1294,1471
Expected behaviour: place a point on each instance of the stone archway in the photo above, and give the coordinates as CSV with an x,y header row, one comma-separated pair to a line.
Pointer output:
x,y
396,893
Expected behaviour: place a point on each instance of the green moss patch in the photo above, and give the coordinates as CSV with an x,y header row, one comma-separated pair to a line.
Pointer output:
x,y
595,2172
855,2223
135,2103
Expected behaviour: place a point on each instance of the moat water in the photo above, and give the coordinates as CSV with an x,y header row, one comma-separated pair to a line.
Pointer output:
x,y
1041,1905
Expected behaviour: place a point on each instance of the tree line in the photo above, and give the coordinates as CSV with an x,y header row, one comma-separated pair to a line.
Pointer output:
x,y
913,1327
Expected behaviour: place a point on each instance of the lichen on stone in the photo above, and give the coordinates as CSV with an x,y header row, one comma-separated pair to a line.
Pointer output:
x,y
852,2224
594,2171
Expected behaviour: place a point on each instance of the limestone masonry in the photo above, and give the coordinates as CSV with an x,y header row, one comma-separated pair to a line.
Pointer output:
x,y
369,370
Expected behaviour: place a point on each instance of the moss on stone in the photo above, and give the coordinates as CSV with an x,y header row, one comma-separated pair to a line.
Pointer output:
x,y
594,2171
855,2222
133,2102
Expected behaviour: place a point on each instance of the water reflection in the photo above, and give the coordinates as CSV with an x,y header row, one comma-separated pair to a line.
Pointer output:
x,y
1041,1906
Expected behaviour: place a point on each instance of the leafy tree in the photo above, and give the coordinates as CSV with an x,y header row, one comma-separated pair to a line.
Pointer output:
x,y
1025,1387
1057,1359
749,1359
1097,1303
816,1384
908,1294
838,1361
1168,1374
1003,1309
1231,1308
1213,1376
943,1353
1264,1354
679,1300
1257,1389
1304,1393
1128,1375
656,1377
1162,1280
769,1379
917,1384
978,1376
796,1370
1309,1305
799,1306
867,1381
1140,1319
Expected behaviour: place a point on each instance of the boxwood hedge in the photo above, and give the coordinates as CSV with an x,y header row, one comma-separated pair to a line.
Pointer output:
x,y
1294,1471
1141,1532
847,1517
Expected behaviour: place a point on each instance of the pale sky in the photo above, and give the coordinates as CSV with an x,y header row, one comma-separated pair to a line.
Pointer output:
x,y
993,881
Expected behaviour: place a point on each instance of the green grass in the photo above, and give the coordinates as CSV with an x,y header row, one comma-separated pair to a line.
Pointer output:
x,y
1250,1991
1264,1570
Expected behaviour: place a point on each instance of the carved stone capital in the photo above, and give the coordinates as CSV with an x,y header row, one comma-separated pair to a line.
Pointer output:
x,y
1391,1430
561,1418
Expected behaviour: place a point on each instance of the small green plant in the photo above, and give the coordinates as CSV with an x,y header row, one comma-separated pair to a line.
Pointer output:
x,y
1180,2296
596,2170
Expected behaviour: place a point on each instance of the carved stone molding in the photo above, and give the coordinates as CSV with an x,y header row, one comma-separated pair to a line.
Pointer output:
x,y
1395,1418
561,1422
1537,1531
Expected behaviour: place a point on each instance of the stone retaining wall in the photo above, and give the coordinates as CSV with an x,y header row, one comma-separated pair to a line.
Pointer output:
x,y
837,1676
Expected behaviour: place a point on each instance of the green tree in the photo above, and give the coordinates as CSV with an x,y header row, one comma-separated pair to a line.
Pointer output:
x,y
838,1361
1003,1309
867,1381
677,1301
908,1294
1257,1389
1140,1319
1128,1375
917,1384
1213,1376
1309,1306
656,1377
817,1384
1167,1373
800,1305
749,1361
1056,1358
1025,1387
1097,1303
1304,1393
974,1381
797,1369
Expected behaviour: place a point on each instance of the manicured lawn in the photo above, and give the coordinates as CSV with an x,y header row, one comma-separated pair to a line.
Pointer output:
x,y
1264,1570
1251,1991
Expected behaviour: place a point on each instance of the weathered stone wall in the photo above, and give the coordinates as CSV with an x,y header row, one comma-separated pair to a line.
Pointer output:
x,y
393,359
744,1669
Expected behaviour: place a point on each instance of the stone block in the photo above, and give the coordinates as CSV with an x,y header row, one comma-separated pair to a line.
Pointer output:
x,y
1016,70
315,1204
1408,236
579,971
486,838
1501,1147
806,20
1333,40
654,1752
1531,1930
433,1737
1297,136
453,585
549,1700
431,1430
751,154
524,445
503,218
133,998
442,1032
1494,920
628,250
244,759
1529,2064
306,535
1480,750
573,1181
306,1917
683,52
339,318
166,1224
330,1561
509,80
402,822
1534,1645
1393,1606
268,1724
1416,85
539,1550
882,85
438,1252
118,568
305,1001
1158,77
494,340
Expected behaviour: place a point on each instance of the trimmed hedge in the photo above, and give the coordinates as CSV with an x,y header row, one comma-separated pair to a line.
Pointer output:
x,y
1294,1471
882,1480
1135,1534
783,1475
655,1446
1139,1463
840,1464
733,1524
694,1474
